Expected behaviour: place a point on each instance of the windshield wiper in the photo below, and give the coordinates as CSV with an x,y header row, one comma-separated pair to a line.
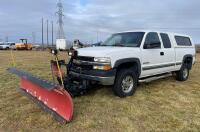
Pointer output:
x,y
103,45
120,45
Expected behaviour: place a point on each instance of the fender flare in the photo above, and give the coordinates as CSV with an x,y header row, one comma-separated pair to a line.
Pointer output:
x,y
187,56
129,60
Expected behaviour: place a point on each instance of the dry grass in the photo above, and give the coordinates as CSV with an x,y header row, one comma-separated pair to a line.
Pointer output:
x,y
163,105
198,48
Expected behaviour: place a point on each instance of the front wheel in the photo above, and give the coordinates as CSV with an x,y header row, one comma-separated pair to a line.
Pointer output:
x,y
183,74
125,83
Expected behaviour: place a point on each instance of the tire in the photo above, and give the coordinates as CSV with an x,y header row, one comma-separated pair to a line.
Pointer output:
x,y
122,90
183,74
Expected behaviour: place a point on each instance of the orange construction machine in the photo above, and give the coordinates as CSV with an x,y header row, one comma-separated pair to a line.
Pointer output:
x,y
23,45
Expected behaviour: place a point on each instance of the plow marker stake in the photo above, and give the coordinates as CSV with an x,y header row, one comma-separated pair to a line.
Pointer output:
x,y
47,95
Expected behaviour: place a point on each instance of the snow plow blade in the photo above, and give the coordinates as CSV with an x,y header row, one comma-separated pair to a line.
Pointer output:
x,y
47,95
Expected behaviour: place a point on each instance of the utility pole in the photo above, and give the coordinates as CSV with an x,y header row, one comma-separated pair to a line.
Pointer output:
x,y
52,34
42,34
6,38
33,38
47,33
97,36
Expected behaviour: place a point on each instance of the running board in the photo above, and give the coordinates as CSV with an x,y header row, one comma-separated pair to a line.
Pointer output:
x,y
153,78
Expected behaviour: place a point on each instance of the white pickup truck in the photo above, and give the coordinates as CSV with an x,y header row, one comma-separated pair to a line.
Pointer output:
x,y
127,58
6,46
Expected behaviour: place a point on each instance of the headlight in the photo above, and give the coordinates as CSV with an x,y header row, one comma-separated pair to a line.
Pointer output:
x,y
106,63
102,59
73,53
70,53
53,51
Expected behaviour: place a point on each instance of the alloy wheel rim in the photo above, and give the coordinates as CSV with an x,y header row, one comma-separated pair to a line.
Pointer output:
x,y
185,73
127,84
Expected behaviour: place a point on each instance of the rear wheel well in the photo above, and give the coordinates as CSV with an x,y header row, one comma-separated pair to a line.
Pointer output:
x,y
188,62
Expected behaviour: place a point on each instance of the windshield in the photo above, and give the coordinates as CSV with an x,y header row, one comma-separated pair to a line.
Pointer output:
x,y
129,39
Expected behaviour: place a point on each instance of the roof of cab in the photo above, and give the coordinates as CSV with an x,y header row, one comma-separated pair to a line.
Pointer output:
x,y
146,31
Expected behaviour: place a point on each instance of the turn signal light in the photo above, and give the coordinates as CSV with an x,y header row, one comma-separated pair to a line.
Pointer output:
x,y
105,67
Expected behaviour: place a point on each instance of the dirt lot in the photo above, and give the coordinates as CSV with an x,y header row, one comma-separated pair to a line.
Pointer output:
x,y
163,105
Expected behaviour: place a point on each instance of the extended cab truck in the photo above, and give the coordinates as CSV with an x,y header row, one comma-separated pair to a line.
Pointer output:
x,y
127,58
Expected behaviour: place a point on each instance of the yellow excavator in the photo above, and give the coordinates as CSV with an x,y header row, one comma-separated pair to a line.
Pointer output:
x,y
23,45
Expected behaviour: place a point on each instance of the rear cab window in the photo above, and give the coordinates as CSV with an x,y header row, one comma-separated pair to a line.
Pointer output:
x,y
166,41
183,41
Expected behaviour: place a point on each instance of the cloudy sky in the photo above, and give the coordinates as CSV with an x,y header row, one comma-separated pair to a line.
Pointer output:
x,y
84,19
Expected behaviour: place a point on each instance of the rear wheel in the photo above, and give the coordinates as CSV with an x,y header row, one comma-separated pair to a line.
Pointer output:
x,y
183,74
125,83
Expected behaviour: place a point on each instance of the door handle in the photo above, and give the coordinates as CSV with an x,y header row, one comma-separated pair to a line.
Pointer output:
x,y
162,53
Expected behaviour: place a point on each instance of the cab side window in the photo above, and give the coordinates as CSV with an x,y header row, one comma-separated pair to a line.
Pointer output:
x,y
152,41
166,40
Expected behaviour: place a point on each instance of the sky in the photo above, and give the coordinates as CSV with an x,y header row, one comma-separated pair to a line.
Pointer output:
x,y
94,20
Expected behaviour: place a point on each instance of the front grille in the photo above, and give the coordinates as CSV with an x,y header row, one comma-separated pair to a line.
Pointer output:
x,y
85,58
83,67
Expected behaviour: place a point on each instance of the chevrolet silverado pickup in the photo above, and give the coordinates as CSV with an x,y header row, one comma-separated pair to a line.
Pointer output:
x,y
127,58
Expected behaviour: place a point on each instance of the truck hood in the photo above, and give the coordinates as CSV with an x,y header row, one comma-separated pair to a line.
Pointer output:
x,y
103,51
115,53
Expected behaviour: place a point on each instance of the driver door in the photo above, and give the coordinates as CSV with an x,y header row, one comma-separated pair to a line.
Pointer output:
x,y
152,55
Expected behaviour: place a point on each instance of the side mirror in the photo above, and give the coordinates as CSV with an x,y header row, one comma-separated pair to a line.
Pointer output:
x,y
152,45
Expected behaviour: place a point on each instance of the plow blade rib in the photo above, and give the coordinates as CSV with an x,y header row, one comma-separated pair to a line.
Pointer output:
x,y
48,96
